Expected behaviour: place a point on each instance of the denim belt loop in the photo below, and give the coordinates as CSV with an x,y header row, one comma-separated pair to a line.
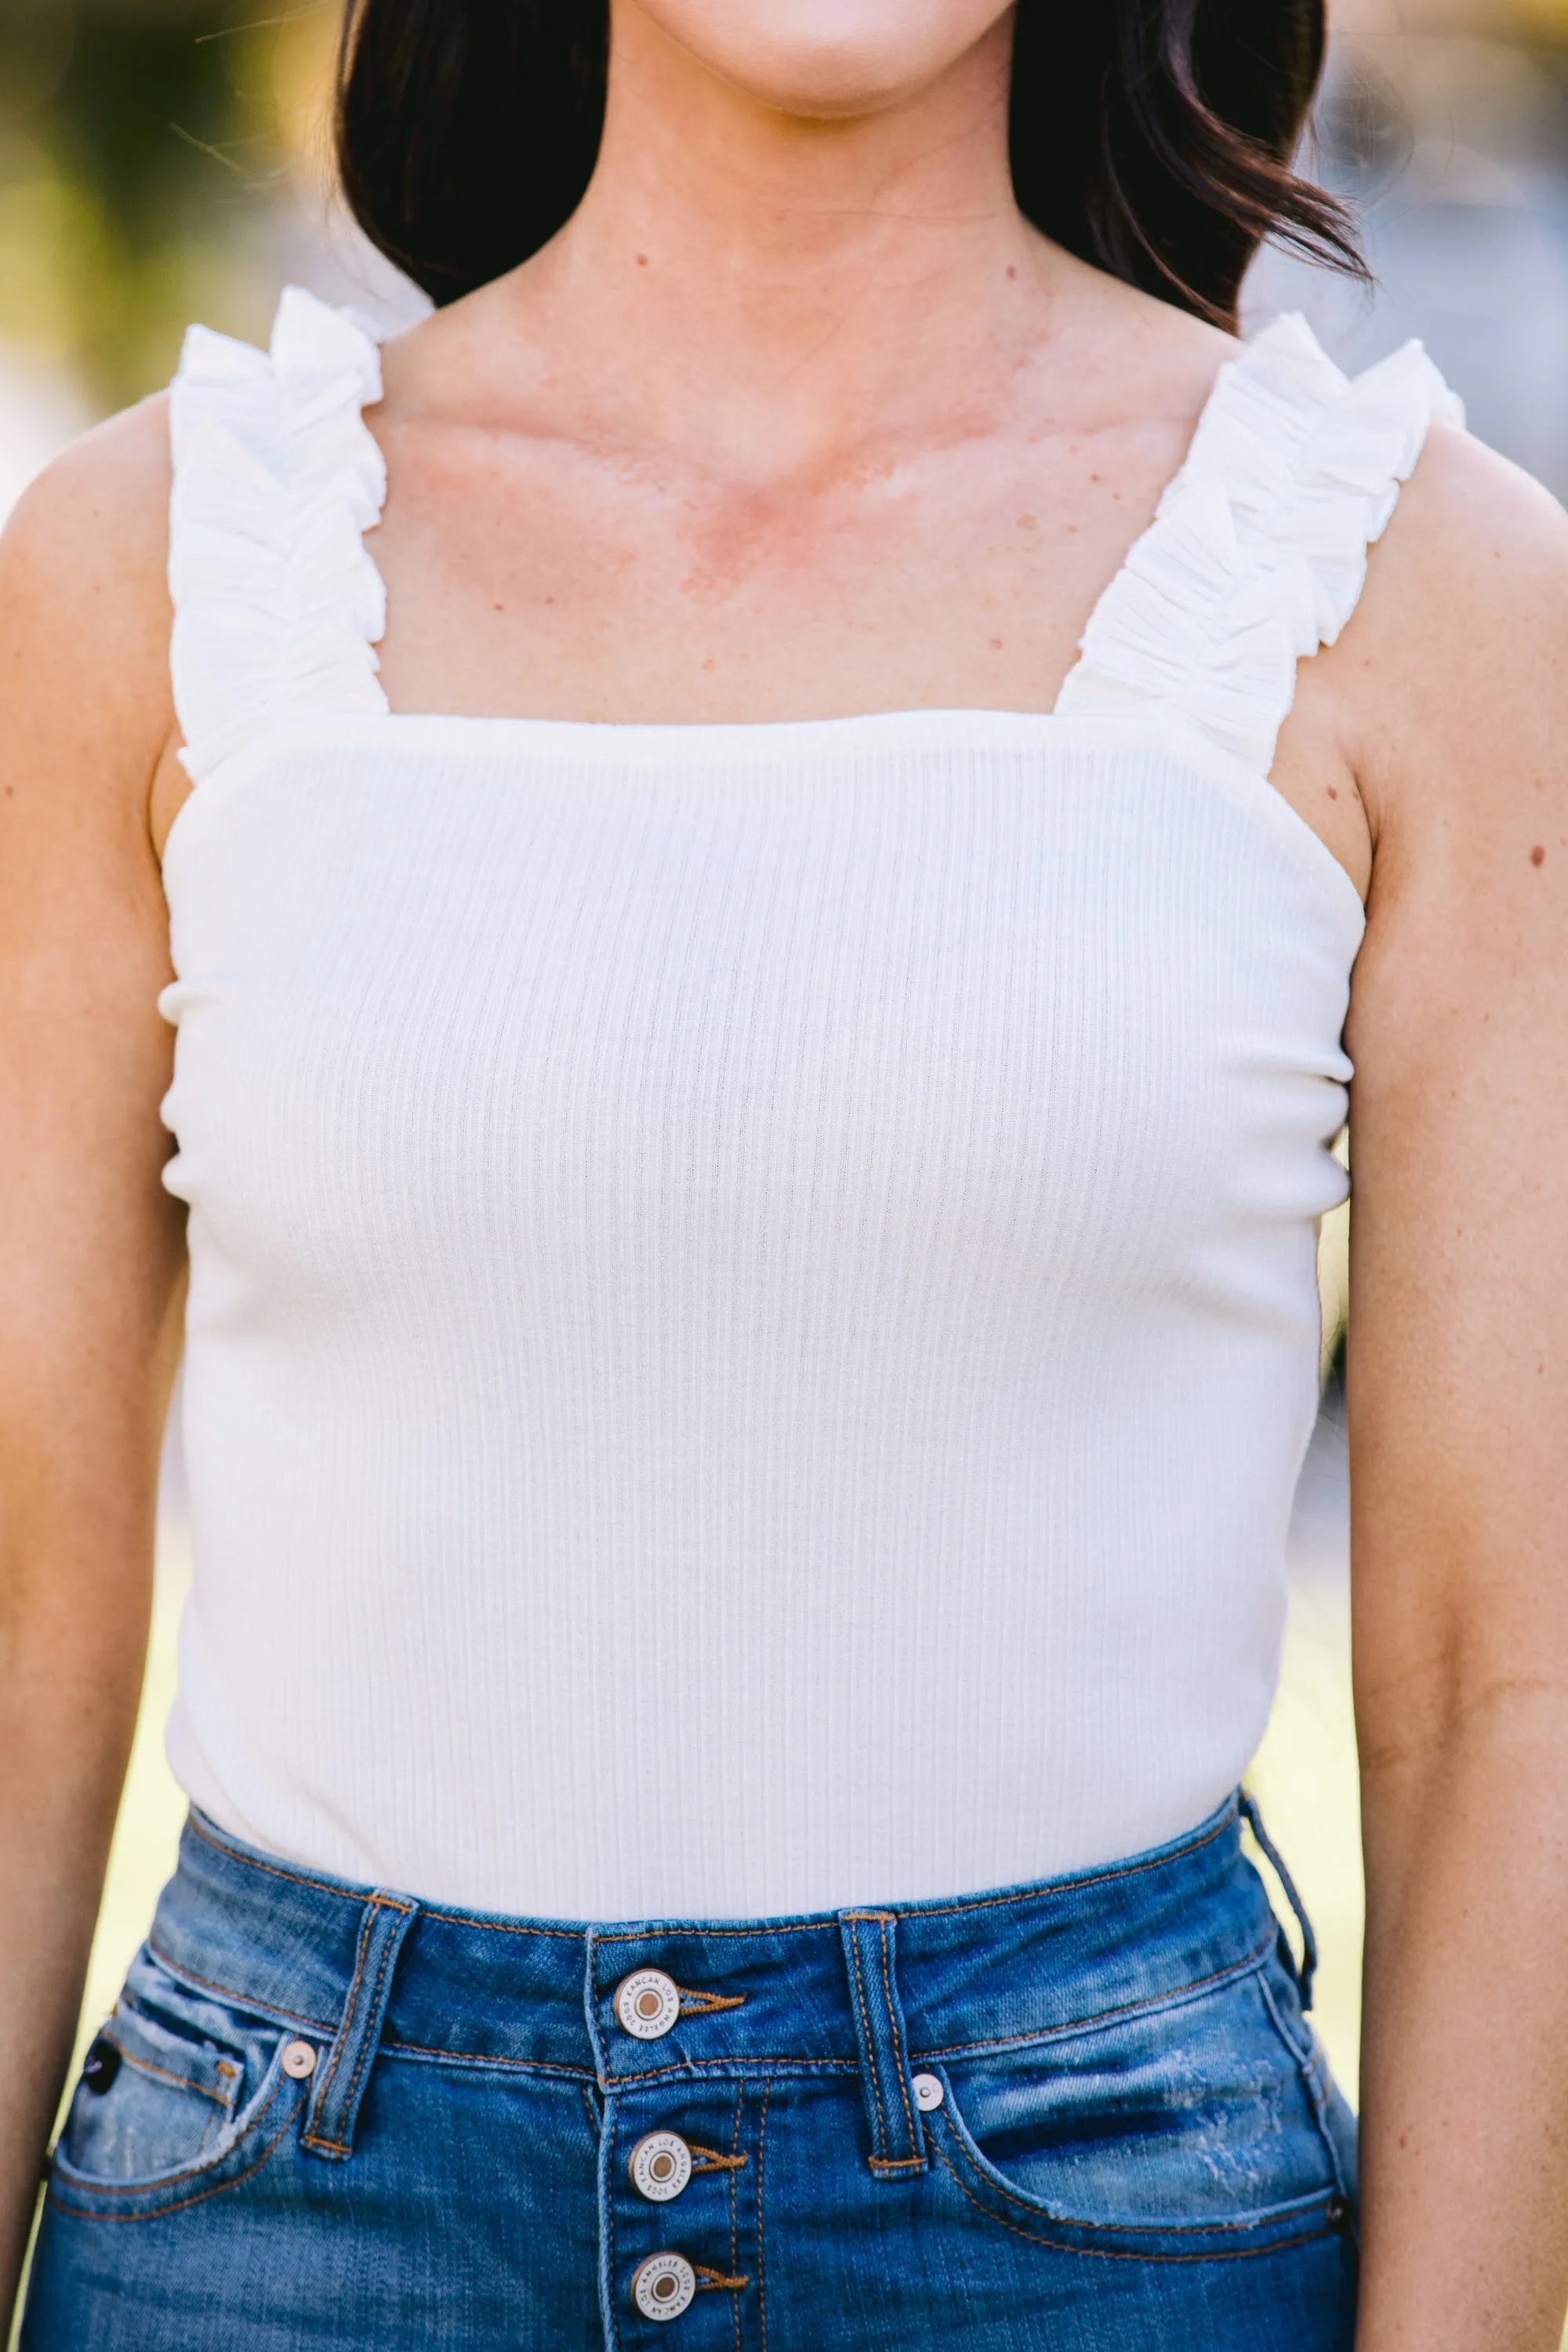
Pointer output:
x,y
1308,1968
898,2140
339,2085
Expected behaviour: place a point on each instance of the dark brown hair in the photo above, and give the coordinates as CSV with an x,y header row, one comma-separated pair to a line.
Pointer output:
x,y
1153,137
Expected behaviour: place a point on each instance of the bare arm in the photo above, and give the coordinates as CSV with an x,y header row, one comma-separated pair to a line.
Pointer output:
x,y
90,1272
1458,1412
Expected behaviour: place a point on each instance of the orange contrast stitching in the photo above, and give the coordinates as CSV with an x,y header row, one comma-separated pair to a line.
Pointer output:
x,y
708,2160
504,1927
734,2226
1151,2001
367,2043
899,2053
164,2074
340,2039
484,2058
762,2140
610,2164
636,2077
351,1895
1071,2221
707,2278
294,1877
871,2045
1047,1891
240,2000
141,2188
1105,2253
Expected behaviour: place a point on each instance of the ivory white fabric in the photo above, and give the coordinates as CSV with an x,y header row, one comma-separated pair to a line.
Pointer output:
x,y
753,1319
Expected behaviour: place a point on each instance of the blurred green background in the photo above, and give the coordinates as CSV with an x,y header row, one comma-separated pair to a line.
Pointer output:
x,y
167,160
147,148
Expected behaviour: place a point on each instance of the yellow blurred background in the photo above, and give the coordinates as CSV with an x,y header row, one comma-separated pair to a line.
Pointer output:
x,y
165,160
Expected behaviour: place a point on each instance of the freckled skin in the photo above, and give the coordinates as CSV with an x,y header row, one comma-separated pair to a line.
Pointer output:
x,y
751,440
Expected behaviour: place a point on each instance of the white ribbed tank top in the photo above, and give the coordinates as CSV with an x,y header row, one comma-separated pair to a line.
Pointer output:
x,y
753,1319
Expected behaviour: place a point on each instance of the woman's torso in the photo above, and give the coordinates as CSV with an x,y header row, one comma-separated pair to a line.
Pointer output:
x,y
752,1315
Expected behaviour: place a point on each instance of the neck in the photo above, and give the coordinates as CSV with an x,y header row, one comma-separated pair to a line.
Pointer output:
x,y
778,283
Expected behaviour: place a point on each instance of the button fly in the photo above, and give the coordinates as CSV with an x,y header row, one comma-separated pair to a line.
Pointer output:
x,y
660,2166
928,2092
647,2004
663,2286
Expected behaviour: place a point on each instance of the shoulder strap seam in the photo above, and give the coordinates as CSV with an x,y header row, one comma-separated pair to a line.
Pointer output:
x,y
278,604
1258,550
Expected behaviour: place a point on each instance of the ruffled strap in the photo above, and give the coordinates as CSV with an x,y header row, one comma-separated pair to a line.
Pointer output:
x,y
1257,553
278,602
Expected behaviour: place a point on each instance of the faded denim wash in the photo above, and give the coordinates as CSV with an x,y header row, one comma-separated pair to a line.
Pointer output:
x,y
1137,2143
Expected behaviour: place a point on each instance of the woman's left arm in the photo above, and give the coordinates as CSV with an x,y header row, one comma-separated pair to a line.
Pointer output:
x,y
1456,677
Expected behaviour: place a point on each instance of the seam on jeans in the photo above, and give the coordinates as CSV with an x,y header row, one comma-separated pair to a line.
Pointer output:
x,y
369,2044
608,2199
693,2069
1121,2228
295,1877
1152,2004
1047,1891
1109,2254
345,2030
1169,1997
240,2000
734,2238
719,1935
897,2163
142,2188
480,2058
164,2073
901,2056
1308,2067
870,2050
345,2027
762,2140
595,2121
504,1927
350,1895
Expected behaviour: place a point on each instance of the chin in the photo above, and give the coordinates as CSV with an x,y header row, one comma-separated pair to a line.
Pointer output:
x,y
826,58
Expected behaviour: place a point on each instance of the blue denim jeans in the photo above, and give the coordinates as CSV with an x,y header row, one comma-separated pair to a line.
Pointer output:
x,y
1086,2115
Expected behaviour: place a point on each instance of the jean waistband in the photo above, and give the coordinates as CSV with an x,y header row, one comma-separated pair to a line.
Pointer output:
x,y
980,1971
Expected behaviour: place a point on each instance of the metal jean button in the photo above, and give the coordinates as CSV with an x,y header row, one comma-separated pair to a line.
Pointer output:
x,y
647,2004
660,2166
663,2286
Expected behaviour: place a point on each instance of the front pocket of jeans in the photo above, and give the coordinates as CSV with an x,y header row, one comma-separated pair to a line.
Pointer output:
x,y
1186,2130
193,2081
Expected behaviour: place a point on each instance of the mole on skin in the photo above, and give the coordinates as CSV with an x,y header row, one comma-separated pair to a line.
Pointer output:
x,y
1538,854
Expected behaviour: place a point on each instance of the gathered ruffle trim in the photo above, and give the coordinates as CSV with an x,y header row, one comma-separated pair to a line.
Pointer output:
x,y
278,604
1257,553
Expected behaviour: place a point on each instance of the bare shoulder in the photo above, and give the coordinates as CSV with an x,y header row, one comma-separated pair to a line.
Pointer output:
x,y
1458,667
101,511
85,613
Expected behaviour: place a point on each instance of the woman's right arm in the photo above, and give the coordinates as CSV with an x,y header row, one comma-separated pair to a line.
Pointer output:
x,y
91,1248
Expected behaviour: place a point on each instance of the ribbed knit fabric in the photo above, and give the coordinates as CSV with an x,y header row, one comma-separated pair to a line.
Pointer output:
x,y
753,1319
